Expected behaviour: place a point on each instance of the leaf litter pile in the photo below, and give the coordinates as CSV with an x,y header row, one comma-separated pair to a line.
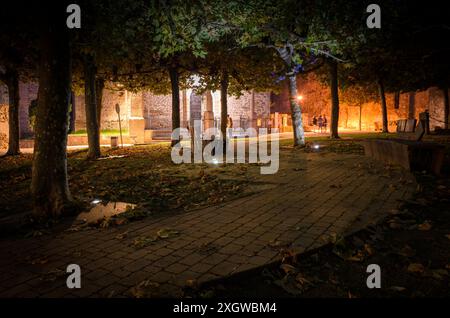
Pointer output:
x,y
411,246
144,176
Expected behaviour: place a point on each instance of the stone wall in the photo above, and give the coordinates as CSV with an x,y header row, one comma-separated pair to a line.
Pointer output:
x,y
245,110
371,116
4,133
109,118
3,94
316,97
316,100
436,107
158,108
28,92
157,111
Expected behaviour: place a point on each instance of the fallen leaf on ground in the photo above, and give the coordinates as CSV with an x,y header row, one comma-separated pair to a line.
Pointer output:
x,y
141,290
39,261
121,221
53,275
368,249
144,241
121,236
275,243
358,257
416,268
394,211
439,274
426,226
406,251
166,233
287,268
302,280
289,285
191,283
397,288
395,226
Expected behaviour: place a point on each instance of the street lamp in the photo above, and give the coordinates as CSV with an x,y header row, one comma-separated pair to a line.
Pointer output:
x,y
299,97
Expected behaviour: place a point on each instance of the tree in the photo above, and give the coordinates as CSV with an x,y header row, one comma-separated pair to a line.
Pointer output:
x,y
356,95
342,24
88,48
180,33
235,70
91,107
17,62
284,27
405,55
333,71
49,184
11,79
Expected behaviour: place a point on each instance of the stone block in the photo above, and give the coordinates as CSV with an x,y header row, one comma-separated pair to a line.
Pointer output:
x,y
137,129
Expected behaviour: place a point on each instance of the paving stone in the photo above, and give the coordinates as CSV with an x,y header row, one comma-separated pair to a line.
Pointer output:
x,y
213,242
177,268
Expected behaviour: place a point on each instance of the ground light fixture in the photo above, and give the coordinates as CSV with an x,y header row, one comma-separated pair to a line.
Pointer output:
x,y
96,201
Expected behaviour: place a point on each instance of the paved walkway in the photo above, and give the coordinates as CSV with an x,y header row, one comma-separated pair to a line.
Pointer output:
x,y
315,196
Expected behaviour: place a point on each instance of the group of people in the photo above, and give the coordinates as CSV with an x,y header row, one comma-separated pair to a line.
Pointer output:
x,y
321,122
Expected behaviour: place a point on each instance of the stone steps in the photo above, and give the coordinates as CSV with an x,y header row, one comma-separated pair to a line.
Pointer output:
x,y
161,134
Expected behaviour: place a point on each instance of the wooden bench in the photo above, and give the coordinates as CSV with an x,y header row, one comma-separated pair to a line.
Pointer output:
x,y
406,129
408,150
411,155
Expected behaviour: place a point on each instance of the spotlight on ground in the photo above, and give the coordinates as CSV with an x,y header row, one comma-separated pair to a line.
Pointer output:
x,y
96,201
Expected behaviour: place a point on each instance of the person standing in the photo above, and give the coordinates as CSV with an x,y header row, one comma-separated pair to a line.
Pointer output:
x,y
314,122
229,126
325,122
320,123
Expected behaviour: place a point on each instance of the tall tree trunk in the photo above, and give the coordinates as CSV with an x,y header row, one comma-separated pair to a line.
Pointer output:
x,y
286,54
383,105
12,81
296,113
346,117
49,184
184,97
91,108
412,105
224,105
397,100
360,117
99,86
174,81
446,108
333,73
71,112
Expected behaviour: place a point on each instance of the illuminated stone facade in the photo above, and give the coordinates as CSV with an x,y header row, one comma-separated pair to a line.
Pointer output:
x,y
152,113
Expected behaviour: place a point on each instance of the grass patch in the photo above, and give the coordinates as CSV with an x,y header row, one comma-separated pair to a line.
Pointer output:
x,y
104,132
142,175
348,143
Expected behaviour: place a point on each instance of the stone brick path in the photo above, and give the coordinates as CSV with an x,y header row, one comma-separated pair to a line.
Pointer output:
x,y
314,197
